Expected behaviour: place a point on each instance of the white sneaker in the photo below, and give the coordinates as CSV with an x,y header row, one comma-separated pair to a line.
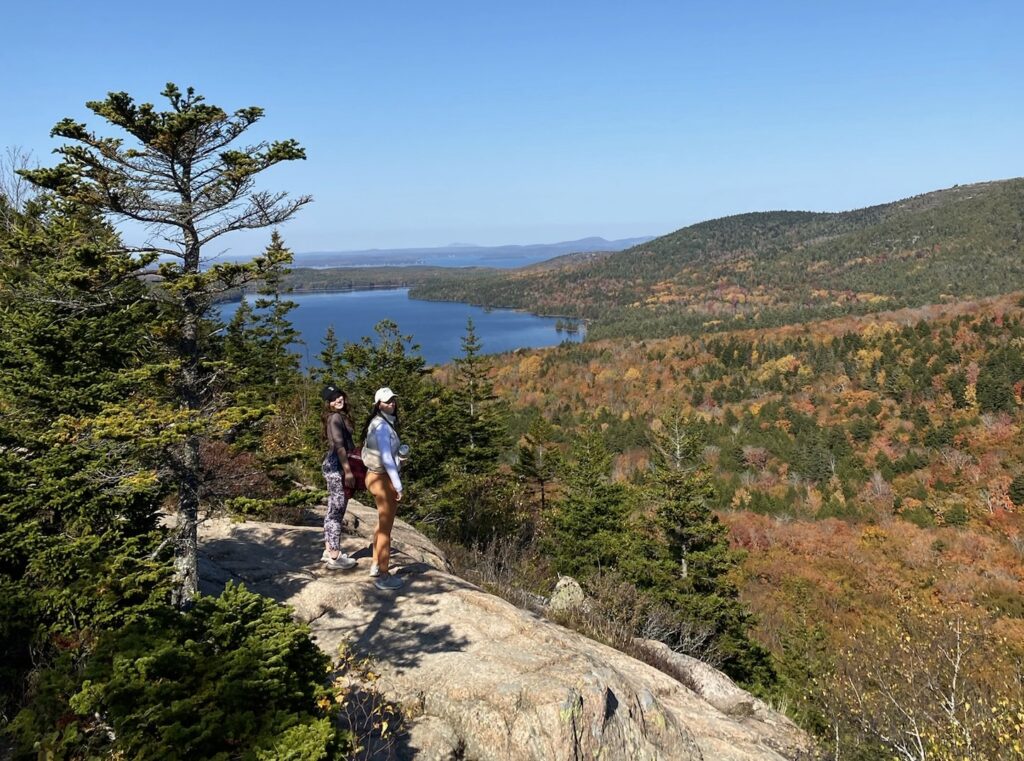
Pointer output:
x,y
341,563
374,570
388,582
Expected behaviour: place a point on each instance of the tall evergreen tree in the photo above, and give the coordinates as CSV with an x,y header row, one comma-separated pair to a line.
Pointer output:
x,y
481,425
184,177
476,501
688,562
425,408
537,460
259,338
388,358
280,363
328,360
84,577
237,338
588,522
80,436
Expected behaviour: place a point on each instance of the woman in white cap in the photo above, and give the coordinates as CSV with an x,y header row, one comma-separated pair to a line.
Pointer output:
x,y
380,455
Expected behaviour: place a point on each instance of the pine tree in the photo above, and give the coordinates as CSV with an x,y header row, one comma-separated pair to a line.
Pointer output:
x,y
279,363
238,341
80,436
425,408
683,493
86,422
184,177
481,426
259,339
688,564
537,460
475,502
388,358
329,359
588,522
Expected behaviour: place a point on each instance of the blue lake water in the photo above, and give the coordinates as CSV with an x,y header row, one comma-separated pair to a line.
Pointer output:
x,y
438,327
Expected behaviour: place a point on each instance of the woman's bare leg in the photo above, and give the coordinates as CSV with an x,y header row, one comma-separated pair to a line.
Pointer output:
x,y
387,506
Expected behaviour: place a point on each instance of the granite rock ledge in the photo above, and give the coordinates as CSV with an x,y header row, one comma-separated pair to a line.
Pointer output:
x,y
479,678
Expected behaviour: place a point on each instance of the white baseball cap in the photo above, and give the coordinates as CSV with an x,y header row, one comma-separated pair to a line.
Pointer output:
x,y
384,395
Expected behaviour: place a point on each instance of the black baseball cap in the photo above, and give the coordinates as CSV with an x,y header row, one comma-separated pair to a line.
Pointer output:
x,y
330,393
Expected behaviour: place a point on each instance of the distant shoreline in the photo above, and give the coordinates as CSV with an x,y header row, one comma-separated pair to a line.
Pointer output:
x,y
235,298
581,321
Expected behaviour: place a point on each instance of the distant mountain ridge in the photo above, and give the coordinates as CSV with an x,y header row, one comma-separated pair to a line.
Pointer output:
x,y
529,253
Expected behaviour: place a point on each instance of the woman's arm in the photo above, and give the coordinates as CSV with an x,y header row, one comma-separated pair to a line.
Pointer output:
x,y
338,442
387,454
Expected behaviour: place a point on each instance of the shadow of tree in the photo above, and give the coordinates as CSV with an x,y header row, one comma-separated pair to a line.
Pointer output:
x,y
395,629
403,626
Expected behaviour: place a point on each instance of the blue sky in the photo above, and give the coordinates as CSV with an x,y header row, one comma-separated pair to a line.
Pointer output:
x,y
490,123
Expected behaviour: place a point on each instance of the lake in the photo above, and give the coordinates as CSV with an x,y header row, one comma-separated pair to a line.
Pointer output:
x,y
437,326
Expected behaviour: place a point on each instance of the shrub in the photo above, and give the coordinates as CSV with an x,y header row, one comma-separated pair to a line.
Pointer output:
x,y
957,515
234,677
475,509
1017,490
1005,601
919,516
939,437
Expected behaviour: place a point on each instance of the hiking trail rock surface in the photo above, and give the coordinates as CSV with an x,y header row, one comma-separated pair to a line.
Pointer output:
x,y
478,678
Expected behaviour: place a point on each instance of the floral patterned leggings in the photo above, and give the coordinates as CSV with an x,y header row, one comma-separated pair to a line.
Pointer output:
x,y
337,502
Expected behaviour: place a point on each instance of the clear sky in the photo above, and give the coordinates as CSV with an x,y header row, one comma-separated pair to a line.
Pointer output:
x,y
427,123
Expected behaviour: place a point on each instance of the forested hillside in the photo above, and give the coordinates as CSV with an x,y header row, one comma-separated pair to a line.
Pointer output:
x,y
870,468
773,268
312,280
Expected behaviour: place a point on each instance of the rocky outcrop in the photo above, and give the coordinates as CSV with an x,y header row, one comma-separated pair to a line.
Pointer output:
x,y
567,596
711,684
478,678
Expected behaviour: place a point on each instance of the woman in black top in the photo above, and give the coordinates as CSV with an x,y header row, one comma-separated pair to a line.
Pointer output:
x,y
337,432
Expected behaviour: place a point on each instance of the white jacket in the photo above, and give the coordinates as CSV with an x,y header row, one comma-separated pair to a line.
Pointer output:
x,y
380,450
